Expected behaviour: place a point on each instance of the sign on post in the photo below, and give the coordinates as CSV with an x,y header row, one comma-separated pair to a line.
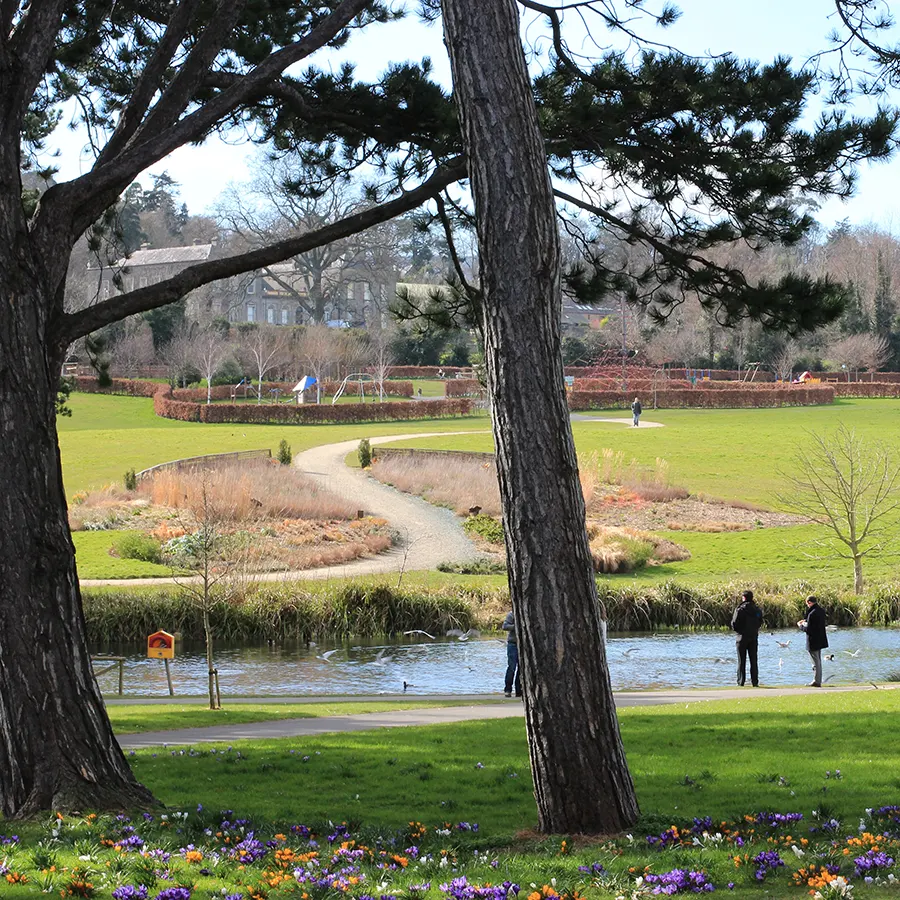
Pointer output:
x,y
161,645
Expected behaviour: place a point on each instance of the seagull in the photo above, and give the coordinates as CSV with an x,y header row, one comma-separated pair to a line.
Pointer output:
x,y
784,644
326,655
454,632
419,631
719,659
629,650
379,658
854,654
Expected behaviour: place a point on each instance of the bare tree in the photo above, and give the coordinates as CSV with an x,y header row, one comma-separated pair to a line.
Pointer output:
x,y
179,353
784,358
316,352
133,347
264,347
380,355
857,351
846,484
220,563
210,350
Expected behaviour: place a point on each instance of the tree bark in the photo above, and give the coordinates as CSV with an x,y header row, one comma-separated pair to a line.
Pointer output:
x,y
57,749
581,778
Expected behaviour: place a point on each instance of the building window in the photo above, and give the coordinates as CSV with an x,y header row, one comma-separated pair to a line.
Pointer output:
x,y
349,291
251,288
367,293
251,312
284,316
270,315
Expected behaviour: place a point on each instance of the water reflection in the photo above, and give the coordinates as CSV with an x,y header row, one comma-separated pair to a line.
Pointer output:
x,y
448,666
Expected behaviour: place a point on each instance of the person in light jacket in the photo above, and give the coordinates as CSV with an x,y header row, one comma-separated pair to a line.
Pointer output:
x,y
816,637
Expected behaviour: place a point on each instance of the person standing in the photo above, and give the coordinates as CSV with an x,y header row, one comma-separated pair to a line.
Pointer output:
x,y
746,621
816,637
512,657
636,412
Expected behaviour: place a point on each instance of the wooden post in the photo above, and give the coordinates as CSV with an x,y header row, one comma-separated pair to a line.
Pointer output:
x,y
169,678
121,675
218,693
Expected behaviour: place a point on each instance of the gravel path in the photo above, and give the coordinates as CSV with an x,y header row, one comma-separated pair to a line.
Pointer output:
x,y
428,534
581,417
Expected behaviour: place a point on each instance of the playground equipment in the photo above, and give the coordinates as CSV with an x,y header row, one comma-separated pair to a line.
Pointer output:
x,y
234,389
358,378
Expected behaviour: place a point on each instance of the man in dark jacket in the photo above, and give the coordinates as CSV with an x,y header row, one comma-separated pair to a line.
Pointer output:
x,y
816,637
746,621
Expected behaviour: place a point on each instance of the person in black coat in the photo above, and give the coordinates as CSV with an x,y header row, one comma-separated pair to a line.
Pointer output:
x,y
816,637
746,621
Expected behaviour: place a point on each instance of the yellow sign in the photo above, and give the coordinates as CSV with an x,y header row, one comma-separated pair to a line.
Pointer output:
x,y
161,645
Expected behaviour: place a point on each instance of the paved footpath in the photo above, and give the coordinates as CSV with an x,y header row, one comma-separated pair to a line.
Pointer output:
x,y
285,728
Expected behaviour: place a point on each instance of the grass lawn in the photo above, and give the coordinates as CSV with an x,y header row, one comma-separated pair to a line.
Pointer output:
x,y
733,454
94,560
139,718
831,759
107,435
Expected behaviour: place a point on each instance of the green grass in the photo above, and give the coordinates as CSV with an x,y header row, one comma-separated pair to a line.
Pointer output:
x,y
107,435
94,560
729,750
140,718
733,454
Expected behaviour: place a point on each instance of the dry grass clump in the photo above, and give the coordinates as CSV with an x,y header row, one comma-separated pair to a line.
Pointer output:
x,y
708,527
652,484
615,549
247,492
459,483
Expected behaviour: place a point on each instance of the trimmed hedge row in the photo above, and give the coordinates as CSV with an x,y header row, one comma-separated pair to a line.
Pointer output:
x,y
426,371
291,414
867,389
126,386
706,399
464,387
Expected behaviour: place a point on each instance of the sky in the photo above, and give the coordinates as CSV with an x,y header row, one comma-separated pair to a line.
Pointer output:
x,y
751,29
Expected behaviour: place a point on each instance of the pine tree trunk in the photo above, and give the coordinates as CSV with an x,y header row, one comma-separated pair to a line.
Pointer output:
x,y
57,749
582,782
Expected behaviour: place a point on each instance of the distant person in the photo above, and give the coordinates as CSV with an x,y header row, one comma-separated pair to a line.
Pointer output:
x,y
816,637
636,411
512,657
746,621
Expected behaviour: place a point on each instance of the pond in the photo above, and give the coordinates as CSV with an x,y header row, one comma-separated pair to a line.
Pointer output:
x,y
449,666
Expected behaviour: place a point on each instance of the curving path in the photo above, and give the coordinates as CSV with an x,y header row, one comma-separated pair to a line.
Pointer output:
x,y
581,417
428,534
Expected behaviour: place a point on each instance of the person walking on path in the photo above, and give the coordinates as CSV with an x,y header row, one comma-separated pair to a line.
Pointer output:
x,y
512,657
816,637
746,621
636,411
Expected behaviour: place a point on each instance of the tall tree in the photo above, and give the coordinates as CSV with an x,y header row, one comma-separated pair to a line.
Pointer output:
x,y
581,779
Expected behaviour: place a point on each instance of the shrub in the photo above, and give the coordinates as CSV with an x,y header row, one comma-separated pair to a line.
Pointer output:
x,y
138,546
486,527
482,566
285,457
130,480
364,452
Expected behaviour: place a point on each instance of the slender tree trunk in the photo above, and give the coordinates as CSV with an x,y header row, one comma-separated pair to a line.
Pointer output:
x,y
207,631
582,782
57,749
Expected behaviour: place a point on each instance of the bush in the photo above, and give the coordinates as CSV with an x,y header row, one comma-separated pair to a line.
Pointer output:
x,y
285,457
486,527
482,566
138,546
364,453
230,372
130,480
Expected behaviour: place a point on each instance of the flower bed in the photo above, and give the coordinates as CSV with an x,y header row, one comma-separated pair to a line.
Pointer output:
x,y
189,855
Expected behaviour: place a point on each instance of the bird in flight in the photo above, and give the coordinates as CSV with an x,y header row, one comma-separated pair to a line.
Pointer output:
x,y
419,631
326,655
784,644
854,654
629,650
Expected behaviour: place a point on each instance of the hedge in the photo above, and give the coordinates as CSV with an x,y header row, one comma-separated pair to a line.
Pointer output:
x,y
706,399
464,387
866,389
426,371
127,386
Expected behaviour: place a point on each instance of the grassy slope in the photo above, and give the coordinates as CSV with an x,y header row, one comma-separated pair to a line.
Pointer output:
x,y
94,560
138,719
730,750
106,436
